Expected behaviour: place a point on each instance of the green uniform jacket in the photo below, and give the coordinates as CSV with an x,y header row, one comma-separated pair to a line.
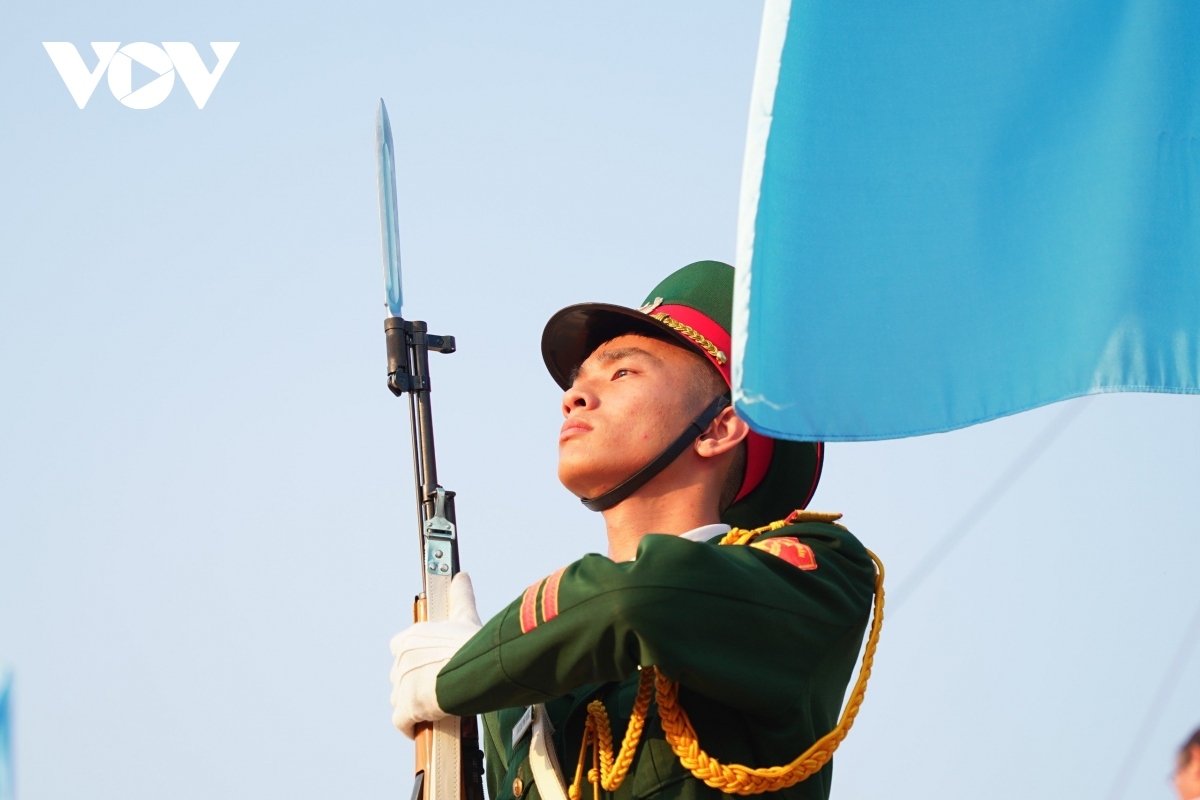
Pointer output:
x,y
763,648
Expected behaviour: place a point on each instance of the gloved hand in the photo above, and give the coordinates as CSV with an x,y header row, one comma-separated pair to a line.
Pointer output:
x,y
421,651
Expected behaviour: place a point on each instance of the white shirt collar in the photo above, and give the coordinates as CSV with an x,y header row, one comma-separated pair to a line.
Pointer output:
x,y
705,532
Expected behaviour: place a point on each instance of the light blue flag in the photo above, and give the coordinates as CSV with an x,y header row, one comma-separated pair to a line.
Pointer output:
x,y
8,789
953,211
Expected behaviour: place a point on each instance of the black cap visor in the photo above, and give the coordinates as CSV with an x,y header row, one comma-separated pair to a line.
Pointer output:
x,y
575,332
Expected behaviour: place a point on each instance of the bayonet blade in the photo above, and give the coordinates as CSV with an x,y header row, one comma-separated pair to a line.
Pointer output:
x,y
385,155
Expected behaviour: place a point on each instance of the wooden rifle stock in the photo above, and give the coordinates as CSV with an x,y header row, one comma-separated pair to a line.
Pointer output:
x,y
471,764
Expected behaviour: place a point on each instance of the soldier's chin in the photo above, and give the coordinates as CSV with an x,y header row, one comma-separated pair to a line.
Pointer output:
x,y
582,478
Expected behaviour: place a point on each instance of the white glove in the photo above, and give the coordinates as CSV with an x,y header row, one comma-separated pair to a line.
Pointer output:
x,y
421,651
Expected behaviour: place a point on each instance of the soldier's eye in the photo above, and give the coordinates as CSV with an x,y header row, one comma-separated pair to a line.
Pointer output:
x,y
621,373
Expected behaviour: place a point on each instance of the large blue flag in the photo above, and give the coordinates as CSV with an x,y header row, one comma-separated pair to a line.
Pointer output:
x,y
953,211
8,789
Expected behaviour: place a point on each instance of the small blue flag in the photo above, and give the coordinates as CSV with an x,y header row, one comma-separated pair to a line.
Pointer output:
x,y
8,790
955,211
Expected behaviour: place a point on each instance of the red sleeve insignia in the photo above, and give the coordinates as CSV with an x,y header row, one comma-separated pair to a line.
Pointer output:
x,y
529,608
547,588
791,550
550,595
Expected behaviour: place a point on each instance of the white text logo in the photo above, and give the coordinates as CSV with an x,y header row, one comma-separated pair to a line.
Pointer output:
x,y
165,61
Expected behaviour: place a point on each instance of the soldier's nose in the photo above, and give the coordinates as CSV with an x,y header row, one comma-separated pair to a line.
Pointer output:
x,y
573,399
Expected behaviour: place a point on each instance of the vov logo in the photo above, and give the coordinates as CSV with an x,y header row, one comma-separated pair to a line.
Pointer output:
x,y
165,61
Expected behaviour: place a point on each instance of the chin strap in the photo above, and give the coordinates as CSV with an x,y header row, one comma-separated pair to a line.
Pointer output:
x,y
638,479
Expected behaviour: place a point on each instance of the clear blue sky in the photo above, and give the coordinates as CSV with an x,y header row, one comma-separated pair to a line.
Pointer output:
x,y
206,533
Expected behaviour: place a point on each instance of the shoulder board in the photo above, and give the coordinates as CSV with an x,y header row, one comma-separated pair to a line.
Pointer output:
x,y
803,515
790,549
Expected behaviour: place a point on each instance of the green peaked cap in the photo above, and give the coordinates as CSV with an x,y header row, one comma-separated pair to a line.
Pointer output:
x,y
574,332
706,286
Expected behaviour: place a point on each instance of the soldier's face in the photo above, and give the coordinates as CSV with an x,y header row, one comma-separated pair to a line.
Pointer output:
x,y
630,400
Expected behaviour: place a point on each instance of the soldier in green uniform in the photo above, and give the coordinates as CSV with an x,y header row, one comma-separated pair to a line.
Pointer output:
x,y
718,661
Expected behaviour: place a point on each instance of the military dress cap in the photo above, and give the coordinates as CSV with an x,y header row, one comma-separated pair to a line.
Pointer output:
x,y
694,308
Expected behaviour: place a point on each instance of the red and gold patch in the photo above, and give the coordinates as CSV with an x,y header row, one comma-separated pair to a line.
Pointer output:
x,y
548,589
529,608
791,550
550,595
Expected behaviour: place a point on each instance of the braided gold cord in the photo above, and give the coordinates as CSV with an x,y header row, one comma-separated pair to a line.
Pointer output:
x,y
693,334
743,780
610,773
740,536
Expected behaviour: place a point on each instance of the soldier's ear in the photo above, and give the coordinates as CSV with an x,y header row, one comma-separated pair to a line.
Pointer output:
x,y
724,433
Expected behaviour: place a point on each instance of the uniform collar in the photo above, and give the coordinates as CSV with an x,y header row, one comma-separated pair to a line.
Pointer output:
x,y
706,532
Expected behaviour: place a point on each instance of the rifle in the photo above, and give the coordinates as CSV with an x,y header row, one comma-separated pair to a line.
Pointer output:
x,y
449,765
